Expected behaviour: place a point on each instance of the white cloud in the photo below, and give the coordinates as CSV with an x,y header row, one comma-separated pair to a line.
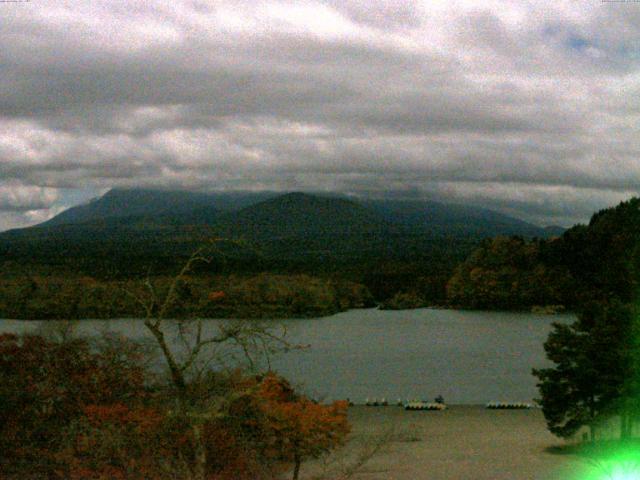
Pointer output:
x,y
524,106
21,198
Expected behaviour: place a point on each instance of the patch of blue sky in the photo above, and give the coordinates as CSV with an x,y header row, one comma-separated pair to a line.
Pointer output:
x,y
567,38
577,42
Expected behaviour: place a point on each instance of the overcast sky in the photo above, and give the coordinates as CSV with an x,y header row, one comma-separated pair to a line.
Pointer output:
x,y
530,108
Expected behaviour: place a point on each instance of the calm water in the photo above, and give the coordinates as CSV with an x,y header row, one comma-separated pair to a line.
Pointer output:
x,y
468,357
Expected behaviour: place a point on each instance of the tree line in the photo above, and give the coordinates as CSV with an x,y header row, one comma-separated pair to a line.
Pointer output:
x,y
222,296
592,270
597,261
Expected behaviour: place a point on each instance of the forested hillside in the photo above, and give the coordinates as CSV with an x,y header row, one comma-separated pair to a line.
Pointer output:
x,y
588,262
400,253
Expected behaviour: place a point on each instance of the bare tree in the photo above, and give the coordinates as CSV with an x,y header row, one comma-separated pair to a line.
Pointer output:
x,y
196,351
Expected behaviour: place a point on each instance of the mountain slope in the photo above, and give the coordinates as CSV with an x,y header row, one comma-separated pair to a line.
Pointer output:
x,y
118,203
453,219
134,227
172,205
276,213
301,214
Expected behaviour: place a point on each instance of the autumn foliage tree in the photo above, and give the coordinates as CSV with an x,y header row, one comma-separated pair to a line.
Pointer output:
x,y
297,428
116,441
196,403
507,273
45,386
75,409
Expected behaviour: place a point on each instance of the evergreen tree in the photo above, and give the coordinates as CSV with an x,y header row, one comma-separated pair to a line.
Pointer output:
x,y
595,375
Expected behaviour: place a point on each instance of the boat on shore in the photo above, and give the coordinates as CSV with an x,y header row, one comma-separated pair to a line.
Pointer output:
x,y
425,406
508,406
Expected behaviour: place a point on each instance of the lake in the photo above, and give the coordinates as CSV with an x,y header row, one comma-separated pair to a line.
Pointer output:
x,y
468,357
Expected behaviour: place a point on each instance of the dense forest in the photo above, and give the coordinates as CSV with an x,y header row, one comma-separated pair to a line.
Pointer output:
x,y
587,263
510,273
270,255
591,388
308,255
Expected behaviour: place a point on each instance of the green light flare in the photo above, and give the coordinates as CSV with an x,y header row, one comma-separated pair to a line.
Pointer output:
x,y
620,465
623,472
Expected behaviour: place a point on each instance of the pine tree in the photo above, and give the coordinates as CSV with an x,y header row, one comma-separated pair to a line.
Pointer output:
x,y
595,375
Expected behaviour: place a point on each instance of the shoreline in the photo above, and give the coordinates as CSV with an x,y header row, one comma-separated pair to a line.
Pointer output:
x,y
307,317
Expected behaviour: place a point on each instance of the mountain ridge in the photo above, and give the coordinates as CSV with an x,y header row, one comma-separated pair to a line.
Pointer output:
x,y
296,231
179,207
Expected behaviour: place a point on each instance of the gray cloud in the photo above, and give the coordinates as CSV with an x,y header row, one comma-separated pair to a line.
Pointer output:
x,y
527,108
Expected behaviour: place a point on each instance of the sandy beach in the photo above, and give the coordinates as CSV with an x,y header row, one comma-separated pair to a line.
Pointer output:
x,y
463,442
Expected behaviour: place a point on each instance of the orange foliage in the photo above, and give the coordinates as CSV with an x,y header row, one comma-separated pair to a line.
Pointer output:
x,y
271,427
235,456
69,411
217,295
116,441
299,428
45,387
142,419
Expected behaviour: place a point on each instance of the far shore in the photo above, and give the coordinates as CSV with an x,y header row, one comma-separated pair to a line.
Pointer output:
x,y
542,311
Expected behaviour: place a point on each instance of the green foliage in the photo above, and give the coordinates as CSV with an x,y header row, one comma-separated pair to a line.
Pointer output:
x,y
603,256
403,301
596,370
387,246
268,295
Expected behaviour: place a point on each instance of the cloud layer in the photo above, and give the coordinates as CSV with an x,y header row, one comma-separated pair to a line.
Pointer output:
x,y
527,107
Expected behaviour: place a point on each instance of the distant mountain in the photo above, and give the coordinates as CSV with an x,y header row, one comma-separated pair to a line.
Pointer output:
x,y
317,228
171,205
304,215
453,219
118,203
133,228
268,213
428,251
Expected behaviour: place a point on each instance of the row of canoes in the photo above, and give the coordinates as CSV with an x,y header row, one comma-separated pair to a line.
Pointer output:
x,y
409,405
425,406
438,405
508,405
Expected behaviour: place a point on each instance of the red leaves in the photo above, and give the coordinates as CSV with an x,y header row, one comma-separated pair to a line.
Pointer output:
x,y
298,426
116,441
118,414
70,411
217,295
268,426
45,387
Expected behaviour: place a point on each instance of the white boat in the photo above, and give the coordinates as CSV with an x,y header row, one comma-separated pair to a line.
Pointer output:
x,y
425,406
508,405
